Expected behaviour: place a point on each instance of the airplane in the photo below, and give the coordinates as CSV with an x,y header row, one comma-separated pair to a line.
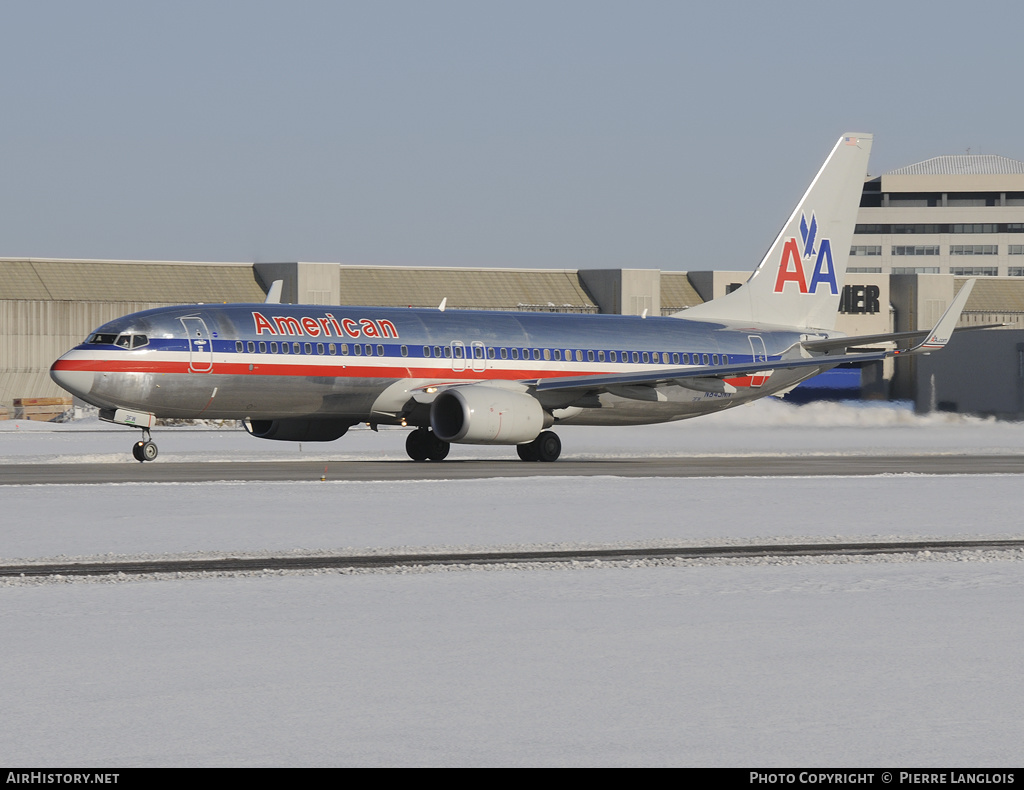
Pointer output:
x,y
308,373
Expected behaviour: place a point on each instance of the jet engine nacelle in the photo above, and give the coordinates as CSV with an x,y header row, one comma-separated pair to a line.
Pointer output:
x,y
298,430
479,414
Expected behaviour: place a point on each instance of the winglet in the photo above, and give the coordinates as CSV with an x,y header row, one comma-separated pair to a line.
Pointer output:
x,y
940,335
274,294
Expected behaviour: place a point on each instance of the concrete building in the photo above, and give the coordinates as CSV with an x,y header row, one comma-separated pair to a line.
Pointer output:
x,y
47,306
921,231
960,215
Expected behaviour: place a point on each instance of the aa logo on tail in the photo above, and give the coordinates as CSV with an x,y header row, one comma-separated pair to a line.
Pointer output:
x,y
791,266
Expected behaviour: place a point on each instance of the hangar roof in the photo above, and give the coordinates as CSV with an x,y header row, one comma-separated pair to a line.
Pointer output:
x,y
482,289
962,164
127,281
994,295
677,292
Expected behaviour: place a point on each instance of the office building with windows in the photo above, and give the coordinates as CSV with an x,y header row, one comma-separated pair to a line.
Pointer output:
x,y
960,215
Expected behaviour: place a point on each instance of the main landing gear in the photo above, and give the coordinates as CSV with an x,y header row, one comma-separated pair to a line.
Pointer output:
x,y
145,448
423,443
546,447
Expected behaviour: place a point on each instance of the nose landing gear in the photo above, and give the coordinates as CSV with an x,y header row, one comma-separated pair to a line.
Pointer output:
x,y
145,449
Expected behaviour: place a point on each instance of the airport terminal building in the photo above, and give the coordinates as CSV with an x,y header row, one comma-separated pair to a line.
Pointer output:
x,y
921,231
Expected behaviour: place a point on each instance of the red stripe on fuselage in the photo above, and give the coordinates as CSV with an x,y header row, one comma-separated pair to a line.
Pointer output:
x,y
334,370
344,367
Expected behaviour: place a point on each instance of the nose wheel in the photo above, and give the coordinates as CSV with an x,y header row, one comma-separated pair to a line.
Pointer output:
x,y
145,449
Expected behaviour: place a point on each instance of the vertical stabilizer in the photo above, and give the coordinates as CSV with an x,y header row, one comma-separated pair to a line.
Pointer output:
x,y
798,283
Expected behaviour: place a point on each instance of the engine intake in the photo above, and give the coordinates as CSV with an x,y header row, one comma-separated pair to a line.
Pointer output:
x,y
479,414
298,430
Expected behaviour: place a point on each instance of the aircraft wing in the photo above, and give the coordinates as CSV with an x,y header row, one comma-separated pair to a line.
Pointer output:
x,y
702,377
697,375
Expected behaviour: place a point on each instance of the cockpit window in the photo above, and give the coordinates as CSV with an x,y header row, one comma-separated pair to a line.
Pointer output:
x,y
124,341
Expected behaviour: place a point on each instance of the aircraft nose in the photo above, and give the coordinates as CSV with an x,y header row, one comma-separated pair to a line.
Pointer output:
x,y
77,382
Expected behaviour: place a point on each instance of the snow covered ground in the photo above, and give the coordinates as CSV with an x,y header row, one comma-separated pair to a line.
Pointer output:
x,y
760,663
767,426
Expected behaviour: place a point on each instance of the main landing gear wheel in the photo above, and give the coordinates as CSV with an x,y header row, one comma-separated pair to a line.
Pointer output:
x,y
546,447
422,444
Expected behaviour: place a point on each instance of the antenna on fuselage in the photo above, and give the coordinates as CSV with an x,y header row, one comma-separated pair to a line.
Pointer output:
x,y
442,305
274,294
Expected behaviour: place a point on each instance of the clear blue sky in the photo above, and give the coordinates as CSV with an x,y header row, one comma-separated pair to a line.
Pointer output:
x,y
667,135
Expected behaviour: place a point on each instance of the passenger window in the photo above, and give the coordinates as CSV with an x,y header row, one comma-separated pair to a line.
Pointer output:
x,y
515,353
458,352
263,347
504,353
714,359
686,359
636,357
284,348
405,351
307,348
250,347
725,359
558,355
600,356
490,353
320,349
239,347
369,350
613,356
273,346
357,349
706,360
426,352
675,357
380,351
579,355
536,354
478,352
547,354
646,357
332,349
344,349
437,351
296,348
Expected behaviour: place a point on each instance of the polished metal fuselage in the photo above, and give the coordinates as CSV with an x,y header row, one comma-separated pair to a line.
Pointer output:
x,y
370,364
